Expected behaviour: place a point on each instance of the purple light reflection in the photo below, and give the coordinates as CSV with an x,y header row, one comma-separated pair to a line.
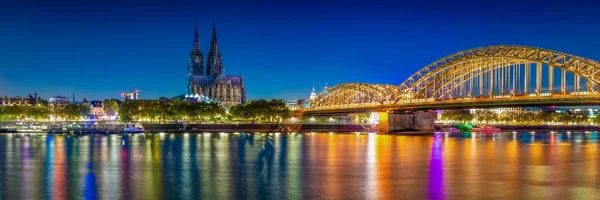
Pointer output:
x,y
436,188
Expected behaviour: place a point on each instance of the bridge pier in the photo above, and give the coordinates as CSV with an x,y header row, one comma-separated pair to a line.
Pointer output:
x,y
406,123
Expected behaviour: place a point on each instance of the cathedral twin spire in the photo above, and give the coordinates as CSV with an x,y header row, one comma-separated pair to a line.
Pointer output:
x,y
196,65
214,65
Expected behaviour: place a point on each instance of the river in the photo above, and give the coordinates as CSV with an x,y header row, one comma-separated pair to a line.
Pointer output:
x,y
300,166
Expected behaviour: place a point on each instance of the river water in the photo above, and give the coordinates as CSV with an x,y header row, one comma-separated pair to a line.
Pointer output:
x,y
300,166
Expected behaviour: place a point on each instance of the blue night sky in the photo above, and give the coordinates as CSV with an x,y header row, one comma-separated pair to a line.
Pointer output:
x,y
99,50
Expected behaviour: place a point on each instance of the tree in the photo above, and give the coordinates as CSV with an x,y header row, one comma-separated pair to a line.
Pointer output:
x,y
169,110
130,110
506,117
565,118
542,117
111,107
38,112
363,117
580,118
261,110
555,117
597,120
486,116
463,116
72,111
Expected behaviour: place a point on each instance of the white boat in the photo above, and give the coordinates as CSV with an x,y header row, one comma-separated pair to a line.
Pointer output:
x,y
487,129
133,128
450,130
32,128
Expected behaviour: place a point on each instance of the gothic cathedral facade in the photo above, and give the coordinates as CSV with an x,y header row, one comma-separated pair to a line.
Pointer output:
x,y
211,83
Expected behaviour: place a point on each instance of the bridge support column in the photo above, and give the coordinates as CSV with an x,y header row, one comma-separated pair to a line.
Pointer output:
x,y
383,122
406,123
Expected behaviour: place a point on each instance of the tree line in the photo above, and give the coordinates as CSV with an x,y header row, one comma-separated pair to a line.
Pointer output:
x,y
164,110
43,112
519,117
161,110
261,111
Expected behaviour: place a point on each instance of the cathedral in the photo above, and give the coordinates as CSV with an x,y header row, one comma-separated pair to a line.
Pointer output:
x,y
210,83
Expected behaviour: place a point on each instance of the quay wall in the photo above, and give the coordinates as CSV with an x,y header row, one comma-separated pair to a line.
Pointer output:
x,y
549,128
170,128
505,128
270,127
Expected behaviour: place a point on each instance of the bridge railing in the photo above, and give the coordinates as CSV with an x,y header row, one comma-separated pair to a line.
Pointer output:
x,y
496,98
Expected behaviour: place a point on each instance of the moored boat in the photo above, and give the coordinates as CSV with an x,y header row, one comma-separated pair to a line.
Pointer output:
x,y
450,130
8,130
32,128
487,129
23,128
133,128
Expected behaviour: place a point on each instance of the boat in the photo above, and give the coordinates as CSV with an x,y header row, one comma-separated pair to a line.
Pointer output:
x,y
8,130
487,129
24,128
27,130
450,130
133,128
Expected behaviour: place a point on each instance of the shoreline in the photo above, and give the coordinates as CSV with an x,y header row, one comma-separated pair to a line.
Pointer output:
x,y
284,128
542,128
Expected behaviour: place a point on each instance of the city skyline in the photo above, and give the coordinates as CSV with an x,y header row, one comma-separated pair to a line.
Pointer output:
x,y
60,50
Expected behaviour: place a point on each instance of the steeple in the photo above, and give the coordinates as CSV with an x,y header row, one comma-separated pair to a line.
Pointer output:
x,y
196,64
196,40
196,60
325,88
214,66
313,94
214,47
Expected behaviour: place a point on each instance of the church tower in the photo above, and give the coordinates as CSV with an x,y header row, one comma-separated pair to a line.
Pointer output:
x,y
214,66
210,84
196,61
313,93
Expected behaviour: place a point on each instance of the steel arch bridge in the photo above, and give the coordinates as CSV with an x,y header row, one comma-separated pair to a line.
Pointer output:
x,y
481,77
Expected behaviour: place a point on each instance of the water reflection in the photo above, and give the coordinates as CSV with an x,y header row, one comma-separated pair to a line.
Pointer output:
x,y
90,191
300,166
436,186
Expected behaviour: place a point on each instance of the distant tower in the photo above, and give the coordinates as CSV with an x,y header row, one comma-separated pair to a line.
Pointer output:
x,y
133,95
325,88
313,94
196,60
214,65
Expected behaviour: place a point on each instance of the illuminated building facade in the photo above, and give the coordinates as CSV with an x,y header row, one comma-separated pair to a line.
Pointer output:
x,y
97,109
130,96
19,101
59,100
303,103
211,83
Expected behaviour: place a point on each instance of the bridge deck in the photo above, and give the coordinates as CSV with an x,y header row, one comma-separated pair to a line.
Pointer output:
x,y
466,103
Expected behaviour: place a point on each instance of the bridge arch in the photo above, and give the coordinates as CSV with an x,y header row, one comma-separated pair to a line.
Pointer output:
x,y
485,72
442,78
355,93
